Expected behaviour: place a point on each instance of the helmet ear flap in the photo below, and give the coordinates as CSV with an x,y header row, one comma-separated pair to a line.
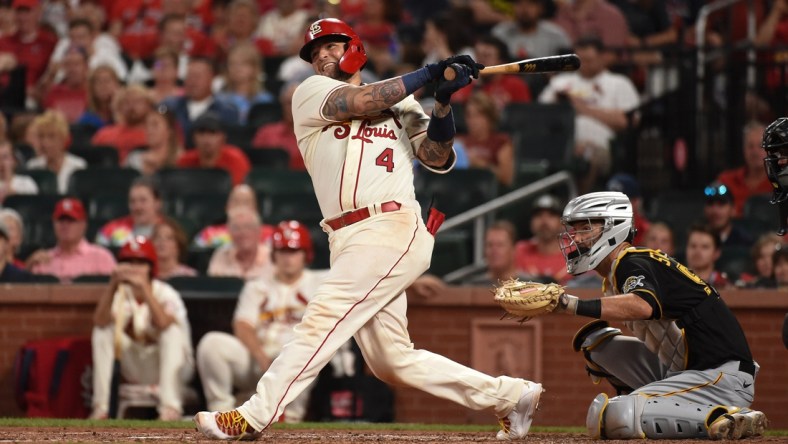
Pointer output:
x,y
355,56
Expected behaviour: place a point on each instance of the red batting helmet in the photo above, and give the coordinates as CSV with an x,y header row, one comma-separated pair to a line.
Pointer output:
x,y
291,234
355,56
140,248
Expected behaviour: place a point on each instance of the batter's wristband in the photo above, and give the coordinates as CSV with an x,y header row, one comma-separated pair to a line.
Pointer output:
x,y
416,79
591,308
441,129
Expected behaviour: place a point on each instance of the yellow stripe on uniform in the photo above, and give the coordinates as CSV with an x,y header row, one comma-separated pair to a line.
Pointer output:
x,y
686,390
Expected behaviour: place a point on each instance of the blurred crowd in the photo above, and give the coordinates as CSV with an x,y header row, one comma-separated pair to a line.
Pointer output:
x,y
155,85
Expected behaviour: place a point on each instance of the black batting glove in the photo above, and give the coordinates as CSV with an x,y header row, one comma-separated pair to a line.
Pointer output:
x,y
445,88
436,69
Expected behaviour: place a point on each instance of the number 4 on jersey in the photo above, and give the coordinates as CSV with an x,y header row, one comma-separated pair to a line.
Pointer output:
x,y
386,159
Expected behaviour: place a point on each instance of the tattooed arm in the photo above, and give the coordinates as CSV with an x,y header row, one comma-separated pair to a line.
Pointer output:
x,y
432,153
350,101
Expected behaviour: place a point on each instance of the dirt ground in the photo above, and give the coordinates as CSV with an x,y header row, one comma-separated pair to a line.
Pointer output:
x,y
74,434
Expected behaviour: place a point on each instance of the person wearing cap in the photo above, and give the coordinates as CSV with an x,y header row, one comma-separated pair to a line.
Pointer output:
x,y
530,33
601,100
72,255
628,185
541,254
718,212
212,151
146,319
8,271
749,179
267,310
499,255
53,137
31,45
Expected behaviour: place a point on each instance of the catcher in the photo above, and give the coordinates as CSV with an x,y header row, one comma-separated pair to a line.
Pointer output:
x,y
687,372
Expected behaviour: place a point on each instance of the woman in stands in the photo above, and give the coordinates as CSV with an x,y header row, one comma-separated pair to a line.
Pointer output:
x,y
144,214
10,182
486,146
244,79
52,138
165,143
171,243
103,83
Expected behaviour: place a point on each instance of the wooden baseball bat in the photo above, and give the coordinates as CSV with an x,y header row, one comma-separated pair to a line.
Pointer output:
x,y
539,65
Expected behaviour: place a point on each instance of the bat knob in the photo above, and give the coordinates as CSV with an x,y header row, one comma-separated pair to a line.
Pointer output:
x,y
449,73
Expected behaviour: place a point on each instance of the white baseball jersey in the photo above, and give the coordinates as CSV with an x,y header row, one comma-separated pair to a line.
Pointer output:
x,y
359,162
273,308
136,315
606,90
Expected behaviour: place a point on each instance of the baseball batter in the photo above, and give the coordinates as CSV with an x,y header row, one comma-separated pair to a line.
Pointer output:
x,y
155,338
358,143
687,372
267,311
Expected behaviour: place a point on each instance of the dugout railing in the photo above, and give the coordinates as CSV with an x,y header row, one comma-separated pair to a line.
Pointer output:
x,y
479,217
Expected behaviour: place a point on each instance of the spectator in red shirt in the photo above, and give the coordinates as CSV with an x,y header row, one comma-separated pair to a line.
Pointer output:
x,y
132,106
211,150
749,179
504,89
281,134
31,45
144,213
541,255
485,145
627,184
70,96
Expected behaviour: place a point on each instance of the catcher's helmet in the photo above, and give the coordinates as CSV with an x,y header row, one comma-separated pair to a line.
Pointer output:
x,y
355,56
140,248
293,235
774,141
615,211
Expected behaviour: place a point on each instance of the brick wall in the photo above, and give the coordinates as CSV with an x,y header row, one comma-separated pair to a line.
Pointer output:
x,y
447,324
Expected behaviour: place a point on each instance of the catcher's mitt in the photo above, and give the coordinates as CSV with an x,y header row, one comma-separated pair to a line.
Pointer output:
x,y
524,300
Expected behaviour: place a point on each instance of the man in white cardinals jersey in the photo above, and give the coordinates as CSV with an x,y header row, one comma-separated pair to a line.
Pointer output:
x,y
267,311
358,143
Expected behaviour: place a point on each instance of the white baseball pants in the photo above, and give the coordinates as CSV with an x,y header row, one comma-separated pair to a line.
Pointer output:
x,y
372,263
224,363
165,363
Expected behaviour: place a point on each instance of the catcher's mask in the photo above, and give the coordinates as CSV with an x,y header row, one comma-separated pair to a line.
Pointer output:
x,y
355,56
594,225
775,143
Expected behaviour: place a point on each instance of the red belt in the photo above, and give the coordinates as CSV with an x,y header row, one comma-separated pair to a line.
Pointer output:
x,y
354,216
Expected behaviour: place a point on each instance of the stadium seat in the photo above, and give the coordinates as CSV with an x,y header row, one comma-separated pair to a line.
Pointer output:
x,y
679,209
459,190
201,209
36,211
302,207
758,207
320,244
530,171
735,260
541,131
24,152
240,135
451,252
45,179
276,158
91,279
174,182
267,181
81,134
263,113
43,279
199,259
207,284
95,181
103,156
106,207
